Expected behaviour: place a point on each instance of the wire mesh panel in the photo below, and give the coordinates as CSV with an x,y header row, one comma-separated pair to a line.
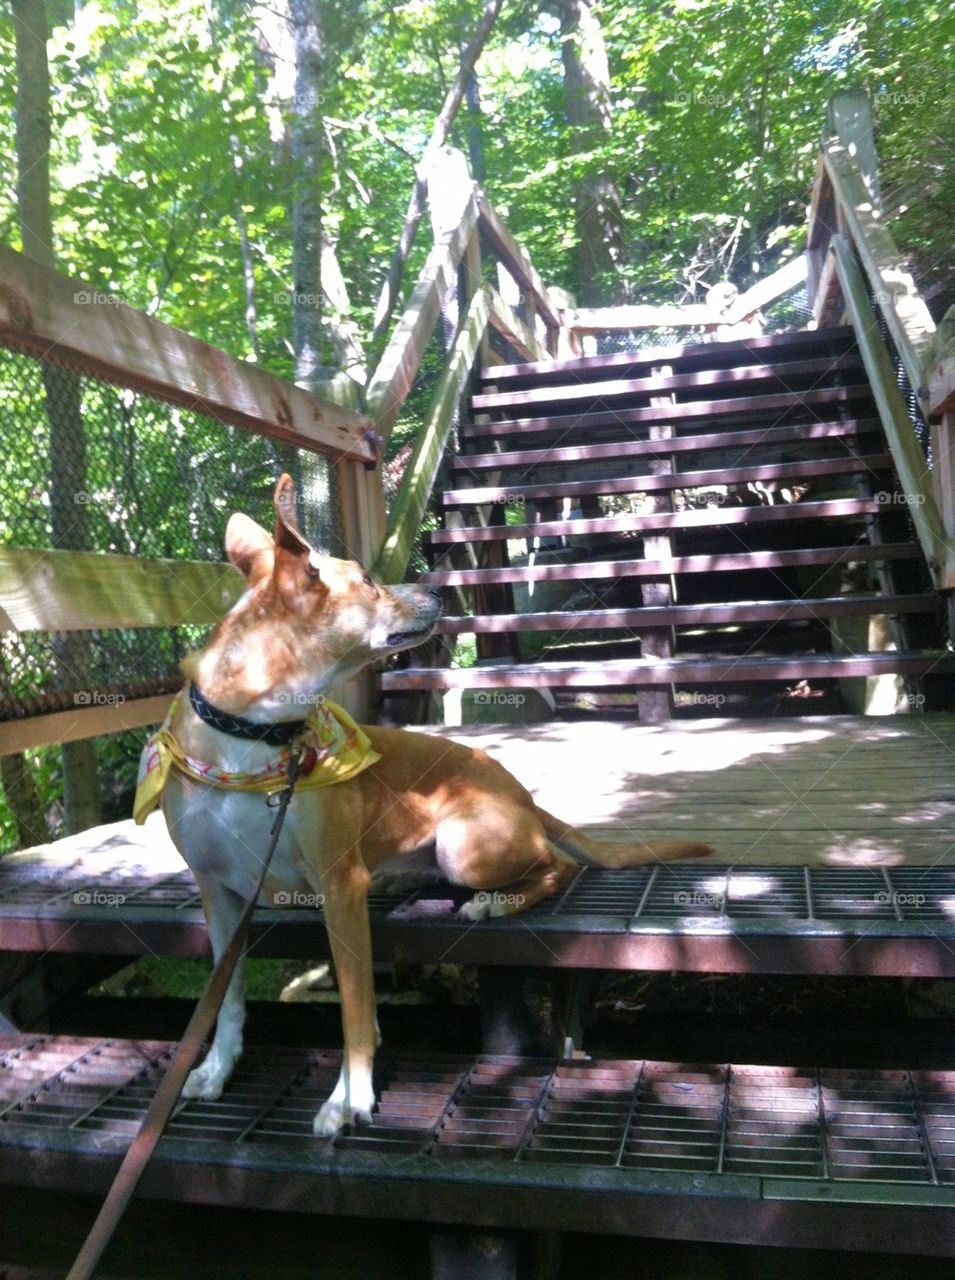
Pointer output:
x,y
97,467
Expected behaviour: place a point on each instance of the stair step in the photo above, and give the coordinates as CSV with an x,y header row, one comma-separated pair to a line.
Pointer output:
x,y
784,375
653,671
720,563
677,480
797,434
687,615
710,355
710,517
769,406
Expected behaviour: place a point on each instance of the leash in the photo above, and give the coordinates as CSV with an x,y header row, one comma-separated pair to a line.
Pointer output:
x,y
167,1095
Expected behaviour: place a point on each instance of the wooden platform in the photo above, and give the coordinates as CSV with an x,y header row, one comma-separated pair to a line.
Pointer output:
x,y
847,791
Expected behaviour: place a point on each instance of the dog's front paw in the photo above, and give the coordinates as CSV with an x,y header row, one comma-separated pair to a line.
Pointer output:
x,y
208,1080
335,1115
483,906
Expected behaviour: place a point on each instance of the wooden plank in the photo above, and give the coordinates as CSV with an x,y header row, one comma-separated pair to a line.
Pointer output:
x,y
799,344
393,379
637,672
911,463
687,615
710,517
876,462
908,318
642,316
827,294
703,443
722,563
48,314
747,376
517,260
404,523
941,384
788,277
513,329
800,402
43,590
82,722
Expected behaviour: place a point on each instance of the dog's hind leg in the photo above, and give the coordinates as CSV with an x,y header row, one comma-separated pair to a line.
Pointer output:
x,y
223,908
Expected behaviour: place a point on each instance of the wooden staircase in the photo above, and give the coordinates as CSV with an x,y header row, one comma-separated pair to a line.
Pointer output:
x,y
708,528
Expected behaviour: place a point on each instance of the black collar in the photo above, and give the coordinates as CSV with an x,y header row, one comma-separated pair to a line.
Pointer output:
x,y
278,734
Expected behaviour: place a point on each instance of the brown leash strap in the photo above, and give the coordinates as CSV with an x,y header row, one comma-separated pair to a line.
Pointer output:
x,y
170,1087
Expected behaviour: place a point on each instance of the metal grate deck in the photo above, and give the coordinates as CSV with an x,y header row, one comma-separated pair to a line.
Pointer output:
x,y
487,1135
673,915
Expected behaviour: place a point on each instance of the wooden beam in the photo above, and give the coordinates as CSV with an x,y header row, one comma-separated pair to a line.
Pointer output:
x,y
393,379
42,590
418,480
788,277
642,316
45,313
513,329
941,385
910,461
910,323
517,260
826,297
81,722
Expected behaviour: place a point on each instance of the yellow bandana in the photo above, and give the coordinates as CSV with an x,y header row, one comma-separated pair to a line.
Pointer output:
x,y
336,749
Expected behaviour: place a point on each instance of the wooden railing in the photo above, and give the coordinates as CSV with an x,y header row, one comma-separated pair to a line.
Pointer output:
x,y
851,253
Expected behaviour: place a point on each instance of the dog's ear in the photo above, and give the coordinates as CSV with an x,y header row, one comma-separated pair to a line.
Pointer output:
x,y
249,547
288,536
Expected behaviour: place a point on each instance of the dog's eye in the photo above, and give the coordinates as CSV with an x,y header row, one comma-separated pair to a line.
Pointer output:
x,y
367,580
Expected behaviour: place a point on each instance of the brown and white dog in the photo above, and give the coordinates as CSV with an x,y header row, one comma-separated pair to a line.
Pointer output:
x,y
306,623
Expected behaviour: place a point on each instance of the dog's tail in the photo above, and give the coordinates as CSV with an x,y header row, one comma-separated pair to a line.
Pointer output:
x,y
597,853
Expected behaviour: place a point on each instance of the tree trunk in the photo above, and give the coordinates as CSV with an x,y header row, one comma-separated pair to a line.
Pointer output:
x,y
19,786
439,136
67,439
599,223
306,208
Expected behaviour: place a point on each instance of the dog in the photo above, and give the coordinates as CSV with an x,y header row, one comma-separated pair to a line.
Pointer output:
x,y
307,622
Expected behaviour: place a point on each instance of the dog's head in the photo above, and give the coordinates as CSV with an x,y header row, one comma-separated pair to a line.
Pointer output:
x,y
307,620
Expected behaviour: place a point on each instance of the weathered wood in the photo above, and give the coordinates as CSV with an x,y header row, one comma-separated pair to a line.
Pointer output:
x,y
393,379
418,480
720,563
784,374
800,402
83,722
850,120
801,344
910,461
704,518
638,671
517,260
513,329
786,278
941,385
826,298
703,443
908,318
48,314
690,615
678,480
90,591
